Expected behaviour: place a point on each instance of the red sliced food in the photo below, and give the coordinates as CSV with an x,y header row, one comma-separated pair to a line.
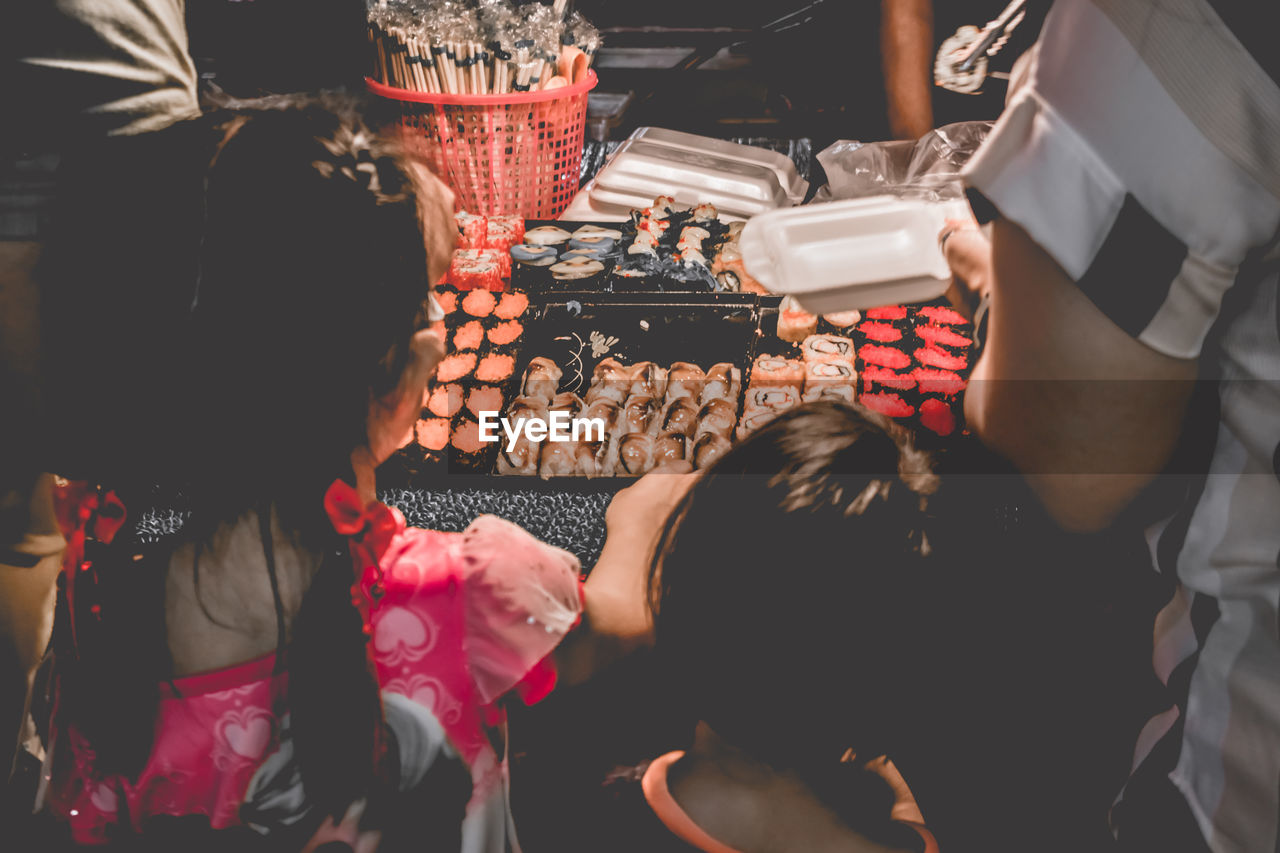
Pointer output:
x,y
876,375
947,316
469,336
888,404
888,312
495,367
882,332
506,333
447,300
932,334
479,303
485,398
936,416
884,356
512,306
433,433
935,357
445,400
466,436
934,381
456,366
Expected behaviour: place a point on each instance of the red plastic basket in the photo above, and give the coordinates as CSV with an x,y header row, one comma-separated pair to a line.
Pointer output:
x,y
518,154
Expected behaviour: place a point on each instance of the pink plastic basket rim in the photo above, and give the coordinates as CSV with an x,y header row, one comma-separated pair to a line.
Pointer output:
x,y
483,100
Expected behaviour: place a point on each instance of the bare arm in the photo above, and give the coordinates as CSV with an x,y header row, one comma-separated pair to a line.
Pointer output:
x,y
1087,413
906,43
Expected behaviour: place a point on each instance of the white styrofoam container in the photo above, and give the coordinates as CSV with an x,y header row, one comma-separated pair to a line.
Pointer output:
x,y
788,176
860,254
584,208
641,169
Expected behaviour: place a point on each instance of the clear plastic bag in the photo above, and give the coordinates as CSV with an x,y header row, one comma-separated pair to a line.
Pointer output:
x,y
927,169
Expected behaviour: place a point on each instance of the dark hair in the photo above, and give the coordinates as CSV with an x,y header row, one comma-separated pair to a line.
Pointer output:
x,y
783,586
313,272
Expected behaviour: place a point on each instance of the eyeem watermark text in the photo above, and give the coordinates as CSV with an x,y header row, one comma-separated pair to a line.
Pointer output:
x,y
559,426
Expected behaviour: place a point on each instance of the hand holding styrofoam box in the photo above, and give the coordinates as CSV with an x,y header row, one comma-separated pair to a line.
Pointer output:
x,y
858,254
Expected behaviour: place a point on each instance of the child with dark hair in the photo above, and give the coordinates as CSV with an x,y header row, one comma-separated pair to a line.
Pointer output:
x,y
783,590
299,654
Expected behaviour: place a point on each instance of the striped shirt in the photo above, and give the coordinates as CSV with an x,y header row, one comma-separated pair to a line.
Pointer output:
x,y
1143,154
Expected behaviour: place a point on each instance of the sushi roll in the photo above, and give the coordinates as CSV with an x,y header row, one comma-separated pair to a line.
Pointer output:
x,y
567,401
639,413
577,270
648,380
819,373
495,367
670,447
542,379
724,382
776,400
597,231
479,303
469,335
599,242
432,433
827,391
503,232
685,380
728,265
479,268
597,452
876,379
611,380
506,332
472,229
945,316
843,319
521,460
774,371
456,366
445,400
546,235
485,398
466,437
705,213
942,336
679,415
880,332
511,306
882,356
718,416
635,454
447,300
526,255
932,356
794,323
753,420
827,348
709,447
934,381
558,459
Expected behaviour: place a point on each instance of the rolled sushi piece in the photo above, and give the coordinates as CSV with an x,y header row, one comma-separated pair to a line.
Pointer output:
x,y
685,380
596,451
469,335
648,379
567,401
558,459
827,348
843,319
752,420
794,323
679,415
432,433
505,333
521,460
775,399
611,380
639,413
472,229
465,437
444,401
495,368
718,416
511,306
775,371
503,232
829,391
724,382
819,373
456,366
485,399
475,269
670,447
479,303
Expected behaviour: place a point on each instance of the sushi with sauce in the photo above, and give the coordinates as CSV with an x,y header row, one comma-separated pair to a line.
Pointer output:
x,y
542,379
753,420
724,382
521,459
718,416
670,447
709,447
648,379
774,399
611,380
679,415
635,454
794,323
596,451
639,413
567,401
685,380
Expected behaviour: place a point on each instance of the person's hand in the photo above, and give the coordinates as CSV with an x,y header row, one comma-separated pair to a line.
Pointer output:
x,y
968,253
345,835
617,588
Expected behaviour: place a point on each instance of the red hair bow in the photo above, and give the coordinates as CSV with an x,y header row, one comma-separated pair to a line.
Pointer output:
x,y
372,524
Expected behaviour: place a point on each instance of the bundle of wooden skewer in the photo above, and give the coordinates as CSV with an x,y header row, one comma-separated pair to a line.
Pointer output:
x,y
479,47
